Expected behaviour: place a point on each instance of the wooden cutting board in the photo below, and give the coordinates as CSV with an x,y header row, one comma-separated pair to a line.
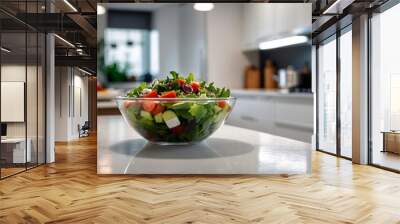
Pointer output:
x,y
269,72
252,78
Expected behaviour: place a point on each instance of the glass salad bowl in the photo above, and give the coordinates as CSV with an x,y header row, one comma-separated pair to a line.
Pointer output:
x,y
175,121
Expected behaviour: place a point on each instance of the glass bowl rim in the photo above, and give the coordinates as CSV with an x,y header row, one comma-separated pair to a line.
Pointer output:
x,y
174,99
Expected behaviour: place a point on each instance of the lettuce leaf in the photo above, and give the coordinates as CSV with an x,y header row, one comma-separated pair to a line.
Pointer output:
x,y
198,111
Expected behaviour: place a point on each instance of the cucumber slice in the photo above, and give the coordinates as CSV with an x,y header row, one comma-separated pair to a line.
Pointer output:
x,y
158,118
220,115
131,113
217,109
146,115
170,119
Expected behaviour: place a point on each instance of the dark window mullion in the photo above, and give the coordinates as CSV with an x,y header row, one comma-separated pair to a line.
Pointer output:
x,y
26,87
369,79
338,95
37,91
0,98
317,97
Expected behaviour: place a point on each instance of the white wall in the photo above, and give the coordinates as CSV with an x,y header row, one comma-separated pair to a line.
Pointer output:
x,y
181,39
192,42
12,73
33,126
70,83
50,95
166,22
61,103
205,43
84,84
80,96
226,61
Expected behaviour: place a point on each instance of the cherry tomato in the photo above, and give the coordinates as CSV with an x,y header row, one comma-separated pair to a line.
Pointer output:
x,y
221,104
152,94
158,109
148,106
195,86
180,82
169,94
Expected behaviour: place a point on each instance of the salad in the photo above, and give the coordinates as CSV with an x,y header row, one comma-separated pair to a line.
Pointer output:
x,y
176,109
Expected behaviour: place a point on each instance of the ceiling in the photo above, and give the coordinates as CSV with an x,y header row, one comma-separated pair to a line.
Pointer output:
x,y
136,6
330,15
75,23
79,27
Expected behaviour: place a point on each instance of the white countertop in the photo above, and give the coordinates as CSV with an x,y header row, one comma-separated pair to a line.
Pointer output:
x,y
268,93
231,150
106,104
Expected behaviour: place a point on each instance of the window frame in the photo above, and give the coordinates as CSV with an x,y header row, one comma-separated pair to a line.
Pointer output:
x,y
334,36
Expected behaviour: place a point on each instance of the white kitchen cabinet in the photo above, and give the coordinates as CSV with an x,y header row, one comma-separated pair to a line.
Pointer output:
x,y
294,112
253,113
274,20
285,114
249,25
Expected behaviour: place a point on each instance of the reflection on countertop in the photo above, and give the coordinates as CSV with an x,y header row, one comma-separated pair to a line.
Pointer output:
x,y
230,150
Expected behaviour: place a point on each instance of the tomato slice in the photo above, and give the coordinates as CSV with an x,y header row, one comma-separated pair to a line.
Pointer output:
x,y
131,104
152,94
149,106
169,94
158,109
221,104
195,86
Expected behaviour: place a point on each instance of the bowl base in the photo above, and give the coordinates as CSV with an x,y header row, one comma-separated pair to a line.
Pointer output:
x,y
175,143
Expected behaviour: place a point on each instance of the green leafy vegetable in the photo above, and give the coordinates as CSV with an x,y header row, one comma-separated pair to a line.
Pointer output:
x,y
183,87
190,78
198,111
138,90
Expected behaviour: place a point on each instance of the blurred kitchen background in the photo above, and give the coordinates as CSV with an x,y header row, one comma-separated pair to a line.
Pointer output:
x,y
261,51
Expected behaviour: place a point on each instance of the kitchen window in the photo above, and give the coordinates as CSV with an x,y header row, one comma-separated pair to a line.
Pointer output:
x,y
327,96
346,92
334,90
385,89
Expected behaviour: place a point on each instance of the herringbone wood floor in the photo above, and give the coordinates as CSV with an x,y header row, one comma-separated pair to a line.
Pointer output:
x,y
69,191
